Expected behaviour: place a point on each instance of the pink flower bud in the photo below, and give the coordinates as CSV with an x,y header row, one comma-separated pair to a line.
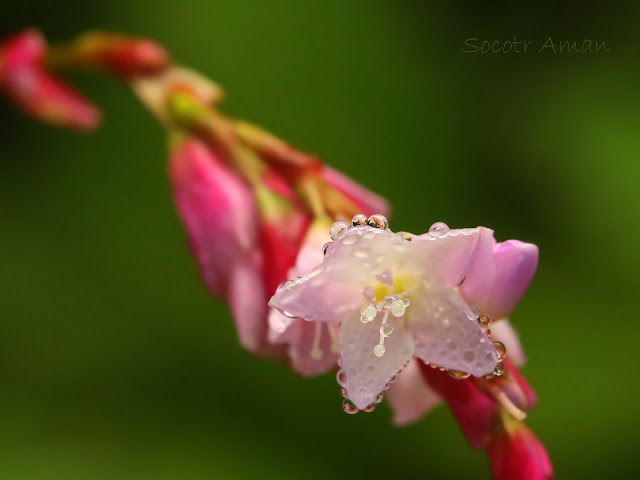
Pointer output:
x,y
30,87
120,54
219,215
367,202
516,454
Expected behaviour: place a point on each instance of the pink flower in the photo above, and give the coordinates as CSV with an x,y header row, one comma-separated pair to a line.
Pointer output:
x,y
29,86
516,454
393,297
220,217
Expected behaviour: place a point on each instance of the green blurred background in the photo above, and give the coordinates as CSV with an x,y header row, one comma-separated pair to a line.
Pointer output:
x,y
115,364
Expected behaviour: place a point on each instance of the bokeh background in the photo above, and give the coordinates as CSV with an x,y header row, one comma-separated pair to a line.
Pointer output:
x,y
115,364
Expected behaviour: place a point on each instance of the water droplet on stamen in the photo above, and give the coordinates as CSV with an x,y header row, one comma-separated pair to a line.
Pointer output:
x,y
501,349
359,219
378,350
368,314
349,407
386,329
378,221
438,229
338,228
397,308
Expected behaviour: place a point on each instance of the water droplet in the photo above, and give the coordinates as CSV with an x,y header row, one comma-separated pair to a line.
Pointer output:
x,y
379,398
324,248
438,229
475,310
501,349
378,221
368,314
359,219
500,369
349,407
338,228
484,322
349,239
378,350
458,375
288,314
369,408
341,377
406,235
386,329
397,308
393,379
343,392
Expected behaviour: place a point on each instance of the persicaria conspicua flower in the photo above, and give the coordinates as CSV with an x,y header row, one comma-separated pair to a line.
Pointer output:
x,y
393,296
26,82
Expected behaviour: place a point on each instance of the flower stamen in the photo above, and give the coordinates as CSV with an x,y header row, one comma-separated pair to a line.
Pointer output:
x,y
316,352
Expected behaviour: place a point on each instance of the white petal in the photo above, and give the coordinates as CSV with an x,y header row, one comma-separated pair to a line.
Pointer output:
x,y
366,374
447,333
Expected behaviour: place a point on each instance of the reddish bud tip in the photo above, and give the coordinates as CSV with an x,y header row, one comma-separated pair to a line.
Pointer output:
x,y
38,93
516,454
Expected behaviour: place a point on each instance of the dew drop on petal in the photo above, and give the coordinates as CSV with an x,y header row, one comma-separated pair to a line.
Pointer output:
x,y
458,375
369,408
359,219
288,314
341,377
349,407
378,221
379,398
500,369
338,228
484,322
438,229
500,349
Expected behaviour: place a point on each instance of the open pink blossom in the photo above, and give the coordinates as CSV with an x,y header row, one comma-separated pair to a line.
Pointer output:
x,y
394,297
311,346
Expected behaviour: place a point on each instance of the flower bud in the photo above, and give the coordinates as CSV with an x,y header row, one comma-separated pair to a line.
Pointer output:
x,y
121,55
31,88
515,453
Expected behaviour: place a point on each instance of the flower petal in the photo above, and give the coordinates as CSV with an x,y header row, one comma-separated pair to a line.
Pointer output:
x,y
447,333
445,258
409,396
247,302
217,210
318,296
498,276
366,374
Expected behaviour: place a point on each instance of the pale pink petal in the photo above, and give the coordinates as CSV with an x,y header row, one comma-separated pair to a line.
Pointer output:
x,y
516,263
447,333
409,396
366,374
318,296
247,300
217,210
503,331
498,276
366,200
445,258
302,345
